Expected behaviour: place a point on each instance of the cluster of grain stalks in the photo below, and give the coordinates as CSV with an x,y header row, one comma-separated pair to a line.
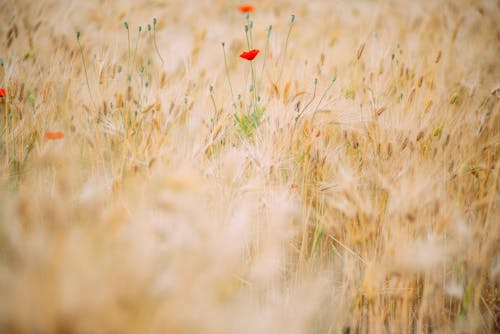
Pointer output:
x,y
344,178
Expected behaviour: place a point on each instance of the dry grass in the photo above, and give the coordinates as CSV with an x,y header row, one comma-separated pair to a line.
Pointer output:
x,y
373,209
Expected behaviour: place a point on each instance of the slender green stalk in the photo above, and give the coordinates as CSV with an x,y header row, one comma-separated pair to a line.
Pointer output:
x,y
250,26
322,97
247,37
6,127
135,50
310,101
216,114
266,50
324,93
292,20
308,104
254,88
302,112
154,40
227,74
85,69
125,24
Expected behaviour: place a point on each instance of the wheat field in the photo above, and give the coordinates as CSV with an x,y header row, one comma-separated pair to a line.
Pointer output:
x,y
344,180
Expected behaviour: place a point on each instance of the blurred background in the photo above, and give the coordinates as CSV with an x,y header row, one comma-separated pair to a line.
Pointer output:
x,y
343,181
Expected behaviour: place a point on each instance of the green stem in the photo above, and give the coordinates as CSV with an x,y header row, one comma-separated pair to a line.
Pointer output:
x,y
227,74
292,20
135,51
254,88
253,85
154,40
128,40
302,112
250,26
266,50
85,70
216,114
308,103
322,97
246,34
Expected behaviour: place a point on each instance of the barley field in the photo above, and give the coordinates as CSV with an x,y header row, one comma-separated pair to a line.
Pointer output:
x,y
262,167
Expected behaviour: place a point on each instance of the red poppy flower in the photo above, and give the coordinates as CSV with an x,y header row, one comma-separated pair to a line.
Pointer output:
x,y
3,93
245,8
249,55
54,135
293,186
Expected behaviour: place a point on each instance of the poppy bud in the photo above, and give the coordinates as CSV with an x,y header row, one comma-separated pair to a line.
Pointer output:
x,y
269,31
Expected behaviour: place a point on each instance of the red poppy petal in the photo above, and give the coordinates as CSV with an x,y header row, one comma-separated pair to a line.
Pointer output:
x,y
245,8
54,135
249,55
